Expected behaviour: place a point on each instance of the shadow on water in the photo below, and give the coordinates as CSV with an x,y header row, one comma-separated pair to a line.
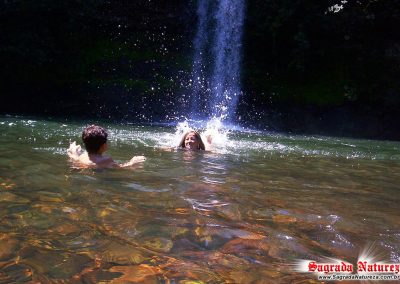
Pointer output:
x,y
241,214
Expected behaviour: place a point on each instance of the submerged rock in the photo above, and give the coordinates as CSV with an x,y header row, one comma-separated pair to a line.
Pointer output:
x,y
285,219
122,253
240,246
48,196
255,251
15,273
10,197
142,273
187,270
66,229
8,247
159,244
53,263
7,184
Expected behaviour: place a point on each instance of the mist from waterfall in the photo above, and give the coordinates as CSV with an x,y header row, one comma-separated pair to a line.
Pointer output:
x,y
217,58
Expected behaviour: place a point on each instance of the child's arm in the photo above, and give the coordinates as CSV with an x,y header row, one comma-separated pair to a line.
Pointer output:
x,y
168,149
133,161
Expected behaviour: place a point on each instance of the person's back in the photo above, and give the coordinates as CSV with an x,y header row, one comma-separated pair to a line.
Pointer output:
x,y
94,138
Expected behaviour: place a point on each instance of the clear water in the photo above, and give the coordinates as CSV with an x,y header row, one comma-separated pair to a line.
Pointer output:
x,y
240,214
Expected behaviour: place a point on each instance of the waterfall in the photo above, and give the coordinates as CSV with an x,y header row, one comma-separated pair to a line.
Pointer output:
x,y
217,57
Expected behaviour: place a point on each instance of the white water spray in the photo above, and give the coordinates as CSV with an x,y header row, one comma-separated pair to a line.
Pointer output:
x,y
217,58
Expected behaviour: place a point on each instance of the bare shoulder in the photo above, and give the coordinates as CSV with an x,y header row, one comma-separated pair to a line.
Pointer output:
x,y
81,161
103,161
86,161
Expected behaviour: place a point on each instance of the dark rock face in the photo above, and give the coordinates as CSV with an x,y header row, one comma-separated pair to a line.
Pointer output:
x,y
306,68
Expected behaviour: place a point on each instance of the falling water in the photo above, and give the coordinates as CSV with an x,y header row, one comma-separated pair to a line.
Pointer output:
x,y
216,62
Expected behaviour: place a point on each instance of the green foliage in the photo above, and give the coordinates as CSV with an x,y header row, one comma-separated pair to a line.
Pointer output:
x,y
293,51
300,51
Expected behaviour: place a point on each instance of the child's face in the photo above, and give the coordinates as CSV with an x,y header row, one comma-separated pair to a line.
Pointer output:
x,y
191,141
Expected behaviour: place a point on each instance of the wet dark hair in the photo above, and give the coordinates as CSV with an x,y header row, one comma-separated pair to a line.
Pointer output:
x,y
198,137
94,137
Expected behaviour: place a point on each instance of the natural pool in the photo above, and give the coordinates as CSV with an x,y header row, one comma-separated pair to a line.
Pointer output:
x,y
241,214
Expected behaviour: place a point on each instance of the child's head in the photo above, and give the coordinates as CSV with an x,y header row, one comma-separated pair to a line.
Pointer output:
x,y
94,137
192,141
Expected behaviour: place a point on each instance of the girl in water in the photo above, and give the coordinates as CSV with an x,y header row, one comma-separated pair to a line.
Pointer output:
x,y
191,140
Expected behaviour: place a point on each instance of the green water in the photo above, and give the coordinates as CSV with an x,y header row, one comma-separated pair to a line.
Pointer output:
x,y
240,214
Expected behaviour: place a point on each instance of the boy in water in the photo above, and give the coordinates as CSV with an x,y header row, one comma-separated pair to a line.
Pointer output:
x,y
95,139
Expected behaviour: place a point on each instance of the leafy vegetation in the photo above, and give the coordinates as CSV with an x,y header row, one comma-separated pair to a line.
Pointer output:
x,y
59,56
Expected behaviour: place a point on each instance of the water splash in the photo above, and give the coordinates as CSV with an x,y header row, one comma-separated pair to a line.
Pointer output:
x,y
213,132
216,133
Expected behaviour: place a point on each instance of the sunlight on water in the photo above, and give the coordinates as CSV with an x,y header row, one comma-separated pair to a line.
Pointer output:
x,y
240,213
233,139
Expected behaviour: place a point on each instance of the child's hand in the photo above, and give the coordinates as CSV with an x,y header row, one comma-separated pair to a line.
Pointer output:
x,y
134,160
167,149
74,150
137,159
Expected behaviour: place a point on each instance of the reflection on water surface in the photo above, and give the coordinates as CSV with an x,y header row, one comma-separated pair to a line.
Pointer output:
x,y
240,214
